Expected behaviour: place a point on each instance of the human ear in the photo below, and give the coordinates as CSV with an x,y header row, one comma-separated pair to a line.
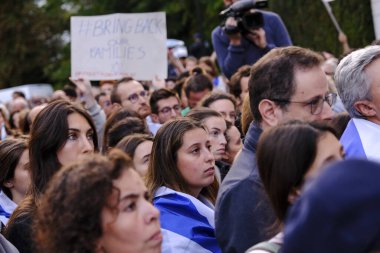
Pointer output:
x,y
115,107
239,101
154,118
99,248
8,184
365,108
294,195
269,112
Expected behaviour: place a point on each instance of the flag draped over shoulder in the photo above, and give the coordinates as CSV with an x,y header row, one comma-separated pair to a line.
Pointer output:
x,y
7,206
187,223
361,139
3,132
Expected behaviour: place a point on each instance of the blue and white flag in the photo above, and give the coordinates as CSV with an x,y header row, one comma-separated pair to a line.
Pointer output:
x,y
187,223
3,132
361,139
7,206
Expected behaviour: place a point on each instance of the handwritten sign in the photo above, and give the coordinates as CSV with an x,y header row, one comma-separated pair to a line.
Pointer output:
x,y
113,46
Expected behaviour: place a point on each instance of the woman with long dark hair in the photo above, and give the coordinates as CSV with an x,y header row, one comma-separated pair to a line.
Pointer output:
x,y
62,133
14,175
181,179
287,156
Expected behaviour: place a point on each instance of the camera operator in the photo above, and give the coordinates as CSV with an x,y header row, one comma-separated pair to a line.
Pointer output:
x,y
238,43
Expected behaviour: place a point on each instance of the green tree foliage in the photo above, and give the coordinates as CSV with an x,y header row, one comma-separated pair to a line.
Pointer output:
x,y
31,31
310,26
30,42
183,19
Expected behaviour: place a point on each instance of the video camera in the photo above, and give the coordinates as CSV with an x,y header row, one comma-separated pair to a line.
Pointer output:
x,y
245,20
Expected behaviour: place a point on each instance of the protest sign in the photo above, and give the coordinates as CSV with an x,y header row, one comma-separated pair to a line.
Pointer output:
x,y
113,46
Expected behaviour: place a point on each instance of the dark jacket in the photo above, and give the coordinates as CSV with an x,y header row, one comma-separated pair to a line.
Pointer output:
x,y
230,58
19,233
338,212
243,213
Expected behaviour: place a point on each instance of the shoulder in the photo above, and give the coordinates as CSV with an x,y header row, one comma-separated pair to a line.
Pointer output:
x,y
19,233
173,204
169,201
6,246
265,247
237,193
242,170
270,15
216,31
218,35
271,246
20,222
272,19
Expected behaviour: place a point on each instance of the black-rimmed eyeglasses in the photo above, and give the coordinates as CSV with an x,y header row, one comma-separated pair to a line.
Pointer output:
x,y
316,104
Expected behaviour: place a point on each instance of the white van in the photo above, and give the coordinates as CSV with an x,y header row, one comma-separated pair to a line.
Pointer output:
x,y
30,90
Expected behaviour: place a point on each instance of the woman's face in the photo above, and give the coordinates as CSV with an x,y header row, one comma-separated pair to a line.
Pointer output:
x,y
1,119
195,161
216,127
234,143
329,149
20,183
79,141
142,156
244,87
136,226
16,119
226,108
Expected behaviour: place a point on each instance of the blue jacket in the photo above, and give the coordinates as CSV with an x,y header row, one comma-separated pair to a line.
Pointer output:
x,y
243,213
231,58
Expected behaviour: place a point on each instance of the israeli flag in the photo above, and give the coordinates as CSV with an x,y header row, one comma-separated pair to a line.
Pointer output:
x,y
7,206
3,132
187,223
361,139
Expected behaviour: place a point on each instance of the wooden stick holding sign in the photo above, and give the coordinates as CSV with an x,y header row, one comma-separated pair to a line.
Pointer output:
x,y
329,11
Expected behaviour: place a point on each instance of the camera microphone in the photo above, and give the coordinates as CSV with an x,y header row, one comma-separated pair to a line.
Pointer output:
x,y
243,5
239,6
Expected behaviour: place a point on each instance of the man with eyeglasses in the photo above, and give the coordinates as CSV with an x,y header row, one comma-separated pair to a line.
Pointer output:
x,y
286,84
131,95
358,82
165,106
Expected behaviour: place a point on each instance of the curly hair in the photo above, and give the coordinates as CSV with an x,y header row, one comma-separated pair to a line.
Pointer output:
x,y
68,218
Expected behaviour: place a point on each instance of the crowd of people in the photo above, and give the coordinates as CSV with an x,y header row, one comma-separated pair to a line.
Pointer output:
x,y
277,150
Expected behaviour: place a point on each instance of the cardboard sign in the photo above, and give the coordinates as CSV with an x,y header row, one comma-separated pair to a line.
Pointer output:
x,y
110,47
